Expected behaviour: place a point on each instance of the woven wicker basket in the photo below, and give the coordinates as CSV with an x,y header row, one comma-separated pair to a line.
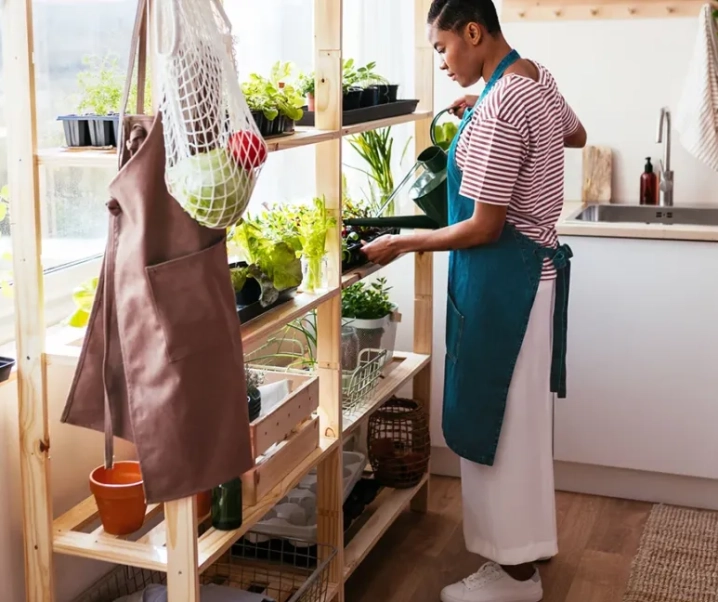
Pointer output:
x,y
399,443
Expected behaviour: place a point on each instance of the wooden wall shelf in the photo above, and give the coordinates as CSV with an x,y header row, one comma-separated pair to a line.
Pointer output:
x,y
585,10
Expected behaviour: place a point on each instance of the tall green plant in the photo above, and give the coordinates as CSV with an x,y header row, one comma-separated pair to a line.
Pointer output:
x,y
375,147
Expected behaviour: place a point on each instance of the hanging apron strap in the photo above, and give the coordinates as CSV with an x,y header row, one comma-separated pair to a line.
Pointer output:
x,y
138,51
561,259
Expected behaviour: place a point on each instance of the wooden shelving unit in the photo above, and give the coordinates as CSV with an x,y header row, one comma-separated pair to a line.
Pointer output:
x,y
173,543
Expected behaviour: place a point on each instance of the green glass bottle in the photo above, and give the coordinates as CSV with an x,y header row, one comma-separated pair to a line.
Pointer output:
x,y
227,505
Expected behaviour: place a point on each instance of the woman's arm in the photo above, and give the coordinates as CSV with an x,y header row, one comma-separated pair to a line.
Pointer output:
x,y
483,227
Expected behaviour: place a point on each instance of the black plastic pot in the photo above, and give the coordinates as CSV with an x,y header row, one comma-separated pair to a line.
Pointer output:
x,y
352,99
251,291
369,97
254,400
288,125
116,128
77,130
278,125
388,93
6,364
102,130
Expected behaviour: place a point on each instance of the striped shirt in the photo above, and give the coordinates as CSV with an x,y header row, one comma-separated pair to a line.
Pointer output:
x,y
512,153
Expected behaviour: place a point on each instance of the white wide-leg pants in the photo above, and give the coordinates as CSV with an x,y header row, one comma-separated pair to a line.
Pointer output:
x,y
510,507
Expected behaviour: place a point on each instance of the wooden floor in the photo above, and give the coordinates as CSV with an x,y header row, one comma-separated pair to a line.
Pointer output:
x,y
421,553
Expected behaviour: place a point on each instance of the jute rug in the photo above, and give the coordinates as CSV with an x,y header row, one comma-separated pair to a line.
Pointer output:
x,y
677,560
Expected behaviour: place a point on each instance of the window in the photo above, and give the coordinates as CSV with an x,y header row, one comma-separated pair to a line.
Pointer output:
x,y
70,32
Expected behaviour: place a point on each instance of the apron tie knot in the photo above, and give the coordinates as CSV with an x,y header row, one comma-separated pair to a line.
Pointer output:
x,y
561,256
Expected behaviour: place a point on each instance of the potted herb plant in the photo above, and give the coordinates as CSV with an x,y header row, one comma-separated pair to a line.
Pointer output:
x,y
306,87
367,309
97,120
351,90
313,224
271,258
275,103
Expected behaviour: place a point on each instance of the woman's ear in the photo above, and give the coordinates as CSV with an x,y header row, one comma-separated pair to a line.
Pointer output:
x,y
473,34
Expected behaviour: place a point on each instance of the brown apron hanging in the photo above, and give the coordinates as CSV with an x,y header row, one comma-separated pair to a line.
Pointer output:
x,y
162,363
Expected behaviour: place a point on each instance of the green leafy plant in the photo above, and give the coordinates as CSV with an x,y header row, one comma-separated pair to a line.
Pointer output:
x,y
101,85
274,95
313,226
306,83
444,134
353,76
362,301
83,296
271,259
375,148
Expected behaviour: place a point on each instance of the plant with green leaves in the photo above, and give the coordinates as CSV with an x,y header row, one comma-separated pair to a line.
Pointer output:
x,y
271,260
313,225
101,85
306,83
274,95
444,134
375,148
83,296
362,301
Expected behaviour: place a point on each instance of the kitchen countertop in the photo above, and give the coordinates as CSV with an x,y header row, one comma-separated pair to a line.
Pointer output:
x,y
568,227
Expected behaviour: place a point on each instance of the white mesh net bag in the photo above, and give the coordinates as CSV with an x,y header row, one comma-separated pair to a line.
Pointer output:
x,y
214,151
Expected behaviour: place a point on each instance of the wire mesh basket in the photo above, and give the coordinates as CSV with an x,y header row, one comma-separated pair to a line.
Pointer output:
x,y
290,354
282,577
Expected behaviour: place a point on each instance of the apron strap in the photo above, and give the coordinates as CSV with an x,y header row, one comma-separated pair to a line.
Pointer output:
x,y
138,51
108,292
562,260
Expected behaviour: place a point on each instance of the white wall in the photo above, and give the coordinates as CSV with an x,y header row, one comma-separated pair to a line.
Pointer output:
x,y
616,75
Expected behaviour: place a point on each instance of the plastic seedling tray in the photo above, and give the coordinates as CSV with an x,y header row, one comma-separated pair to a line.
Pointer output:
x,y
295,516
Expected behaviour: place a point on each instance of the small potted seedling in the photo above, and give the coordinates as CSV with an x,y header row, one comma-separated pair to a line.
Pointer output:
x,y
289,97
306,87
351,90
100,95
368,310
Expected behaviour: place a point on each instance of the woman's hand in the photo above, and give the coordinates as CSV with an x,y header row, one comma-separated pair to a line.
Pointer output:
x,y
459,106
382,250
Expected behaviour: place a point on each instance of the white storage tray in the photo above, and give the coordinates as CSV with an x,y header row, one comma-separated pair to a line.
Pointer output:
x,y
295,516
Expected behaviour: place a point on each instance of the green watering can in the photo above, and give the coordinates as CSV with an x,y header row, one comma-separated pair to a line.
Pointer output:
x,y
425,184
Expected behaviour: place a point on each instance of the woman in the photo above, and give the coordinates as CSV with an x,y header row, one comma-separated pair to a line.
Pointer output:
x,y
507,296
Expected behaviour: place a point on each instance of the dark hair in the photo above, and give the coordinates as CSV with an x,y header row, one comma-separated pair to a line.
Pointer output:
x,y
452,15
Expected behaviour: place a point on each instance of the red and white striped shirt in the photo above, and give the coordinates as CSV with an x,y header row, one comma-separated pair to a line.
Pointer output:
x,y
512,153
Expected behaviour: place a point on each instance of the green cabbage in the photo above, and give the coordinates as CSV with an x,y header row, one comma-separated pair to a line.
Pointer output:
x,y
211,187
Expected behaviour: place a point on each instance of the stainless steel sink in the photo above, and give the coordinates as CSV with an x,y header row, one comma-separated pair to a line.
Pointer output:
x,y
643,214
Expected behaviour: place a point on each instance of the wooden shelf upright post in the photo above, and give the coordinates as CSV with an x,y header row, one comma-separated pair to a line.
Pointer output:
x,y
423,262
328,102
23,181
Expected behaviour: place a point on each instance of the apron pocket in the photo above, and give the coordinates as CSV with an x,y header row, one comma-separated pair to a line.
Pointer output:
x,y
191,297
454,329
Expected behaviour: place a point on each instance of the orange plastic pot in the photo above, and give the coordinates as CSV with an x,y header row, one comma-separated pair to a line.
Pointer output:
x,y
204,504
120,497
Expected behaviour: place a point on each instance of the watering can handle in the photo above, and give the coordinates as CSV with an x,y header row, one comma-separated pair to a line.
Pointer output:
x,y
434,122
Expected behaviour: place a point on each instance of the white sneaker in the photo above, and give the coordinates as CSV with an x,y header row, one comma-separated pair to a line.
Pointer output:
x,y
491,584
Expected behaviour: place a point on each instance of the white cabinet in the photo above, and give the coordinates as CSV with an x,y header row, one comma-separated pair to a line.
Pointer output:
x,y
642,357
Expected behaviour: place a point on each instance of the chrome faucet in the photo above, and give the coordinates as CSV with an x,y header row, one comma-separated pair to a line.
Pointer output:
x,y
665,173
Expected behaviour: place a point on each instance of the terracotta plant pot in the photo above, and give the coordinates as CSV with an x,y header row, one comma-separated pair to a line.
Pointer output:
x,y
204,504
310,102
120,497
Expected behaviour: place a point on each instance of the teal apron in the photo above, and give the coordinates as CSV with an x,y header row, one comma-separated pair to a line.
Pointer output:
x,y
491,293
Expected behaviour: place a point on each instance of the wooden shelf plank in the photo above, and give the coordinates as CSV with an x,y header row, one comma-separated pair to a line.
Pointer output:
x,y
591,10
149,552
65,350
303,136
388,505
403,367
358,128
259,328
